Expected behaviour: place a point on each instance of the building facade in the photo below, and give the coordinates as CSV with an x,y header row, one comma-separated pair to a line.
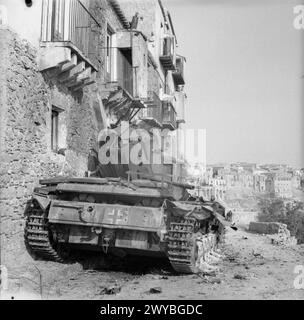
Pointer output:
x,y
69,69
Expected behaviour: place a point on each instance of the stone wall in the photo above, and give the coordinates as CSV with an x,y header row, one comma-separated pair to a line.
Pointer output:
x,y
26,101
297,225
243,218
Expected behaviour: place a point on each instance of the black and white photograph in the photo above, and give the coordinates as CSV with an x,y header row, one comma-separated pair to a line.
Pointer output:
x,y
152,150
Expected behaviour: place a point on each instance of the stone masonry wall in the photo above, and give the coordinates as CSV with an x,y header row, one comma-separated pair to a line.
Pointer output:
x,y
26,101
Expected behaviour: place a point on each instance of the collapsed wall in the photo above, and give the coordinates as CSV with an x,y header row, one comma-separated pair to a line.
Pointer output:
x,y
26,101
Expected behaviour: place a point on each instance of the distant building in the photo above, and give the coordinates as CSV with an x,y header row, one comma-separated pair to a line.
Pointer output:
x,y
219,186
296,182
259,181
283,187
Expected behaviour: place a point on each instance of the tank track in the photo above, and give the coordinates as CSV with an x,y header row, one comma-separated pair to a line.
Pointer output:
x,y
37,235
183,251
180,245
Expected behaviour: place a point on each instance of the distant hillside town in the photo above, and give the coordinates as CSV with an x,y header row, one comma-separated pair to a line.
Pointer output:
x,y
273,180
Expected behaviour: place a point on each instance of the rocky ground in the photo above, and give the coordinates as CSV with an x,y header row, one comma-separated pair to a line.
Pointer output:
x,y
252,268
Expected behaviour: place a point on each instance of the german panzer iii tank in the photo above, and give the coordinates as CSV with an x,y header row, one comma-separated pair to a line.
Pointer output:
x,y
145,215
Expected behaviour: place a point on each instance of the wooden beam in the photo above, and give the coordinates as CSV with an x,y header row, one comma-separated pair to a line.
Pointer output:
x,y
66,76
84,84
78,87
69,65
73,83
86,74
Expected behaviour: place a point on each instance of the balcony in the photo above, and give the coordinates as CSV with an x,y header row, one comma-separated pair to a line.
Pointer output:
x,y
167,56
66,36
152,114
125,56
169,116
125,72
178,73
120,87
119,71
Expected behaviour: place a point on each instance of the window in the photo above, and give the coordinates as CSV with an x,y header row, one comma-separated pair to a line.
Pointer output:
x,y
54,132
109,53
57,20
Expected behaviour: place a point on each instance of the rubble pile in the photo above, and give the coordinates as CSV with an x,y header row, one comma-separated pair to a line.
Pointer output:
x,y
276,231
283,238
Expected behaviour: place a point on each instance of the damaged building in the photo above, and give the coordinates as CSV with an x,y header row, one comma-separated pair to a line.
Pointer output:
x,y
69,69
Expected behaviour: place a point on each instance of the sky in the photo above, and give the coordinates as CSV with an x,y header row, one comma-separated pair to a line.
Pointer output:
x,y
244,77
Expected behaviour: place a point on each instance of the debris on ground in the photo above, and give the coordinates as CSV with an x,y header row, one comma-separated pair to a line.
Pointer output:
x,y
231,259
277,232
110,290
211,281
283,239
155,290
268,265
240,276
256,254
210,273
207,279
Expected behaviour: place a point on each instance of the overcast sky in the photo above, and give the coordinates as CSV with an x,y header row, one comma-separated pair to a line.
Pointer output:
x,y
244,77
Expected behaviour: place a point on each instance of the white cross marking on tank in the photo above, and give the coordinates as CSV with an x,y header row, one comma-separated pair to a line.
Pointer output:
x,y
111,213
122,216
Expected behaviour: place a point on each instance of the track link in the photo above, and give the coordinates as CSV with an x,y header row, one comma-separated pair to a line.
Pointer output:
x,y
181,245
37,235
186,246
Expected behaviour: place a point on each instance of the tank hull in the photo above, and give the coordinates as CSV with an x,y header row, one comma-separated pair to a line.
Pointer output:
x,y
116,217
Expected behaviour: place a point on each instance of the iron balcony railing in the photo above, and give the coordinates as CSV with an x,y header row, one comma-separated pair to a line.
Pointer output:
x,y
68,21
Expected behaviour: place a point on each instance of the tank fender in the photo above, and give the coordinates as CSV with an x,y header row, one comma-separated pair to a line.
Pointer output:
x,y
43,201
224,222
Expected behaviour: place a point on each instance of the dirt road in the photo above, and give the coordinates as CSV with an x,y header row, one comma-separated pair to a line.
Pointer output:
x,y
253,268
